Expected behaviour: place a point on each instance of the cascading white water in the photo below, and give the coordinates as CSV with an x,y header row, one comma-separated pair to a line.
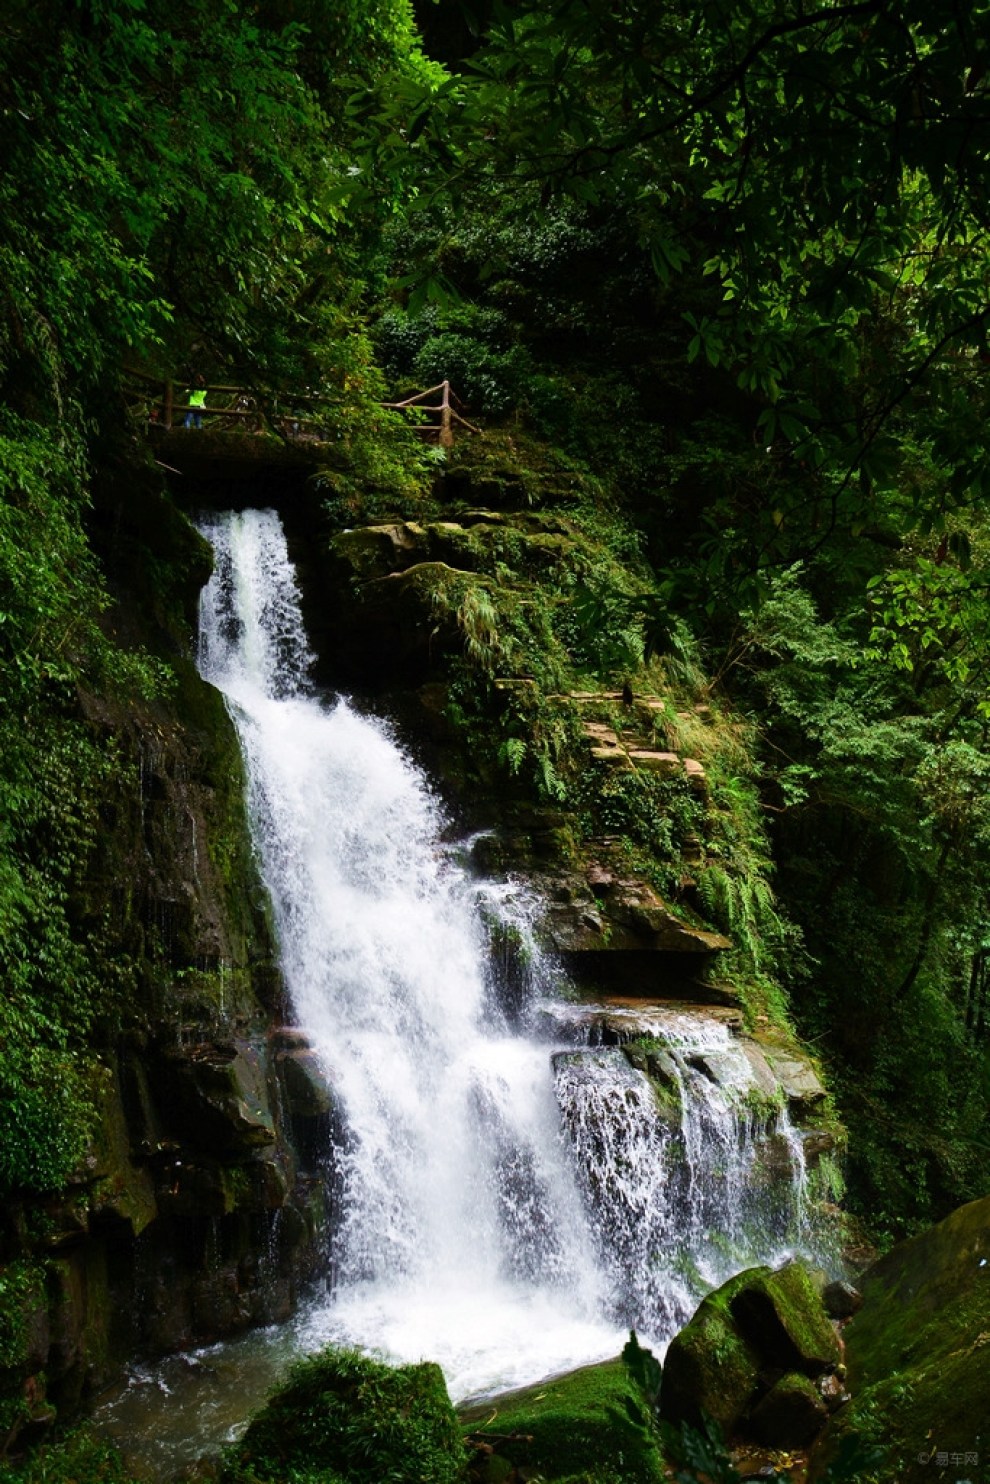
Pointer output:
x,y
462,1235
693,1171
493,1216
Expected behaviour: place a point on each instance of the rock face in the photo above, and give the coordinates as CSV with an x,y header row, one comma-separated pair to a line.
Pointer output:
x,y
753,1358
919,1354
199,1207
639,1026
404,598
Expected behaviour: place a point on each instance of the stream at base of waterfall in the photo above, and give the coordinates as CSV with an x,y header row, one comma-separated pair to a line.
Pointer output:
x,y
510,1198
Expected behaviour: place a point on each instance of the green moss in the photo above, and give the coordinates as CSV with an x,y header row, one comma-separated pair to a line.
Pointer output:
x,y
784,1309
342,1416
76,1459
919,1349
587,1425
22,1287
710,1370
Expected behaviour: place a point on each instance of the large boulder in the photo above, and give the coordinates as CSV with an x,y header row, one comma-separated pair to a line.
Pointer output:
x,y
751,1356
918,1353
711,1369
791,1415
781,1314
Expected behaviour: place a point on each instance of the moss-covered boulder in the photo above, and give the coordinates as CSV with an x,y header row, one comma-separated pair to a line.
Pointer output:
x,y
781,1314
342,1418
918,1353
710,1367
590,1419
791,1415
761,1329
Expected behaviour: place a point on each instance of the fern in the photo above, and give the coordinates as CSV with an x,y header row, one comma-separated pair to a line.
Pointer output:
x,y
512,753
477,618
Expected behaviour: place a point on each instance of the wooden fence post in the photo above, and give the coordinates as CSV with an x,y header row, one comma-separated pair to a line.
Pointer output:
x,y
446,424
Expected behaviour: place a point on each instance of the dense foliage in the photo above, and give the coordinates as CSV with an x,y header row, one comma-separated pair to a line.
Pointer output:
x,y
343,1418
170,196
734,260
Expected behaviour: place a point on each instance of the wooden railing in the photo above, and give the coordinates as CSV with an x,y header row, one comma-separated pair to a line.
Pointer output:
x,y
165,404
448,414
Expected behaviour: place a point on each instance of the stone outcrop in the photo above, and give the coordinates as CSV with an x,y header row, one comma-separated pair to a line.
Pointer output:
x,y
197,1212
200,1207
758,1357
636,1024
918,1351
568,1427
404,598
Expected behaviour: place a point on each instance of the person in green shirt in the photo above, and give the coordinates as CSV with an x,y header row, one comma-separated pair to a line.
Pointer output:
x,y
197,401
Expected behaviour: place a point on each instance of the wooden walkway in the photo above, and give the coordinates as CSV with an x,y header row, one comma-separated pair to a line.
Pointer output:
x,y
232,409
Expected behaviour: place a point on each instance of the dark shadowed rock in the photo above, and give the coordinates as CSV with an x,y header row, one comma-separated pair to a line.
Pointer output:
x,y
763,1329
841,1299
710,1368
791,1415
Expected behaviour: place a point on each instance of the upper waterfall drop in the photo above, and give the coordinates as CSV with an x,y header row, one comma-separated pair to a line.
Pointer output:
x,y
461,1232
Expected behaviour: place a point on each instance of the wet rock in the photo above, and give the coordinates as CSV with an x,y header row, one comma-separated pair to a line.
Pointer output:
x,y
220,1096
801,1083
841,1299
269,1181
218,1305
832,1390
791,1415
307,1092
763,1074
710,1367
144,1124
816,1142
759,1327
122,1191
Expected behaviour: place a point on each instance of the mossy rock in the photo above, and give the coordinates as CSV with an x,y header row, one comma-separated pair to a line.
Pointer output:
x,y
575,1426
761,1323
919,1352
710,1368
781,1315
344,1417
791,1415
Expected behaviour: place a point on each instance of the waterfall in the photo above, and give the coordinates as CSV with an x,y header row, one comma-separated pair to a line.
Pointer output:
x,y
694,1170
508,1203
